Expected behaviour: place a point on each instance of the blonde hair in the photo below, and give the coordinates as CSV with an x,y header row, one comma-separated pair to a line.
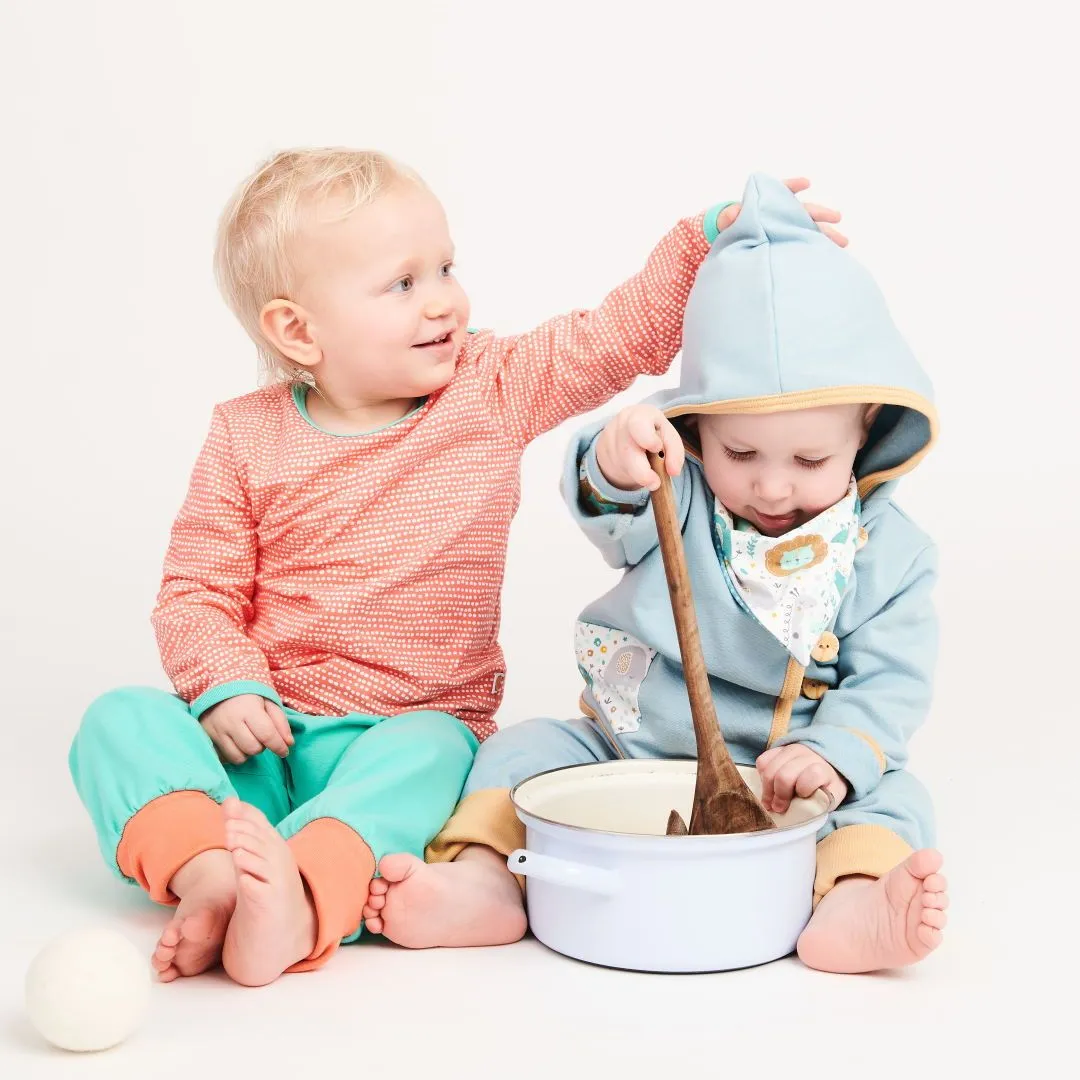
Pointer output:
x,y
252,262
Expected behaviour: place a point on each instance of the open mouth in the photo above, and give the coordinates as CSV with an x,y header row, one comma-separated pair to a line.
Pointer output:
x,y
774,521
435,341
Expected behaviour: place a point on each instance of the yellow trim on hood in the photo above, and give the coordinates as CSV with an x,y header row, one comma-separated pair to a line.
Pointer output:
x,y
831,395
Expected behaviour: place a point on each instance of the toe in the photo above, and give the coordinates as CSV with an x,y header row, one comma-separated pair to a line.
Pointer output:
x,y
374,925
930,937
924,863
253,816
251,866
934,918
395,868
237,812
168,975
163,960
935,883
242,834
244,827
937,900
378,887
376,902
235,842
170,936
166,950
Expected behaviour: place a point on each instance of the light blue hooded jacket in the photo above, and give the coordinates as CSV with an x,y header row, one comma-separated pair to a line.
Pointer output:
x,y
780,318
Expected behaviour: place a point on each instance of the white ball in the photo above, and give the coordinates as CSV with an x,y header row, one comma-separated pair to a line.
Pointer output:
x,y
88,989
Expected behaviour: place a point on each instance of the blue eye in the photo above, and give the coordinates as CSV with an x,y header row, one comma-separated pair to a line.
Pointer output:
x,y
403,285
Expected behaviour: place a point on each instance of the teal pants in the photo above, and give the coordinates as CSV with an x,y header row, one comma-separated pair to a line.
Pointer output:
x,y
393,780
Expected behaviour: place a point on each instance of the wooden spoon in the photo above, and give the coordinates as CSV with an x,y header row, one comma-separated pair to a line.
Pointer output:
x,y
722,801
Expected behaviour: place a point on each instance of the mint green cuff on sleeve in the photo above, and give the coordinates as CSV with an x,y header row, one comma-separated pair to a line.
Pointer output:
x,y
712,230
602,497
217,694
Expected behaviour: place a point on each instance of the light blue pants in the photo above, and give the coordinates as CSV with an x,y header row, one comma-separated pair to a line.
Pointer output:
x,y
899,803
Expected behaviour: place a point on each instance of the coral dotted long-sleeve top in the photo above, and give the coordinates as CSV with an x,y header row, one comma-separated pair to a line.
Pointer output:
x,y
339,574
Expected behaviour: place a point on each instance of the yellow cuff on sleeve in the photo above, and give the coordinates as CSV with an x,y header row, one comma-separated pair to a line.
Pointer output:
x,y
871,850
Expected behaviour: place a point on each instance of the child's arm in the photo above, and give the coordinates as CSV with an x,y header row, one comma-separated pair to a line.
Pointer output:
x,y
576,362
619,519
885,670
205,600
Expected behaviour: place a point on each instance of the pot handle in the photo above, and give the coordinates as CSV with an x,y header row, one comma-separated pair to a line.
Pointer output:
x,y
564,872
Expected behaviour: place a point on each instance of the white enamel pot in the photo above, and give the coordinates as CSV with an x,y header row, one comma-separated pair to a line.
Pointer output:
x,y
605,885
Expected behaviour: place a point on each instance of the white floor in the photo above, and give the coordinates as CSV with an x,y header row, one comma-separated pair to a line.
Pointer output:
x,y
996,996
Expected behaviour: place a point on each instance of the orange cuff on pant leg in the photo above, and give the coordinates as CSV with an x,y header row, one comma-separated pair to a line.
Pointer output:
x,y
337,866
869,850
165,834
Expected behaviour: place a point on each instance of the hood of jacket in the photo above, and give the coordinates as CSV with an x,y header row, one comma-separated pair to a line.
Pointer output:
x,y
782,318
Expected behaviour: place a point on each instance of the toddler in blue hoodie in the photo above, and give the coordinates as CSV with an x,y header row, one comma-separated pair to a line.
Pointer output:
x,y
799,406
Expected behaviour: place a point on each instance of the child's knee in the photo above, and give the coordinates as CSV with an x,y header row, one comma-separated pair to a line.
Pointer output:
x,y
899,804
118,717
445,737
521,750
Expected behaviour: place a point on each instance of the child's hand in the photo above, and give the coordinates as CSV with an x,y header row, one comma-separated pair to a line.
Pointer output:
x,y
821,214
620,450
792,770
245,725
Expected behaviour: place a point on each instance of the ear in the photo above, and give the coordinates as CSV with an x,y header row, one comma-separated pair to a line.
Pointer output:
x,y
869,416
287,326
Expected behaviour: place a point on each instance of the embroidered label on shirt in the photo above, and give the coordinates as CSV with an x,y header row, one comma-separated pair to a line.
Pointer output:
x,y
614,664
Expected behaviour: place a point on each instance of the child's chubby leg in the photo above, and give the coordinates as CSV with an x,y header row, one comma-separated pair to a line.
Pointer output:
x,y
464,894
303,887
880,894
152,783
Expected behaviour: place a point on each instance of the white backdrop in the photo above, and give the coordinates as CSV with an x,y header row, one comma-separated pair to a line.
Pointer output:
x,y
564,139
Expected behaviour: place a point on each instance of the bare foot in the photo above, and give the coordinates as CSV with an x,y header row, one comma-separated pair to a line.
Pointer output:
x,y
191,942
866,925
472,901
274,925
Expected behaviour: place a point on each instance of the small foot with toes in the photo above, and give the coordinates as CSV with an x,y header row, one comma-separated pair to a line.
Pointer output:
x,y
472,901
867,925
192,941
274,925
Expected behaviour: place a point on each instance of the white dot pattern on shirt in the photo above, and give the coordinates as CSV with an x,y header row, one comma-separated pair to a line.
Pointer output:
x,y
364,574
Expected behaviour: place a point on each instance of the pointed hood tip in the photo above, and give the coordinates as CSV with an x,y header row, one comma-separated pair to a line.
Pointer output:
x,y
770,212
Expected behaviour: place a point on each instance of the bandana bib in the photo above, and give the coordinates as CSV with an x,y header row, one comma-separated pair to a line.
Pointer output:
x,y
792,584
